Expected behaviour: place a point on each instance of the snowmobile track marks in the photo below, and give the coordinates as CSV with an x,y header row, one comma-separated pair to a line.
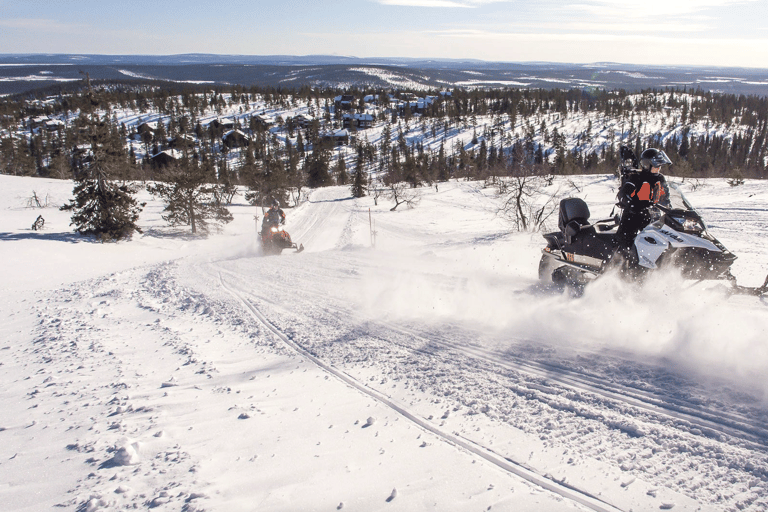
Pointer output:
x,y
566,491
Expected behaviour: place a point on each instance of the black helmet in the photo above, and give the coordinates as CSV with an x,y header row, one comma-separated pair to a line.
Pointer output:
x,y
275,203
652,157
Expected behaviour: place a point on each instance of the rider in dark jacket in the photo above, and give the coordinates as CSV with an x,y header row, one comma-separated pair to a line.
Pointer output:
x,y
641,189
274,217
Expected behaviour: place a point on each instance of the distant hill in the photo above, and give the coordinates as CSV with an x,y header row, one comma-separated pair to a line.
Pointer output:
x,y
25,72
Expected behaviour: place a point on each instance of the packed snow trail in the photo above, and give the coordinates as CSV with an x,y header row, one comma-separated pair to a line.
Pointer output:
x,y
435,312
325,222
156,387
506,464
463,368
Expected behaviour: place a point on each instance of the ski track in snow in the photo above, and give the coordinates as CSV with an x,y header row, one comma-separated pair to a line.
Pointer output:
x,y
658,421
508,465
710,421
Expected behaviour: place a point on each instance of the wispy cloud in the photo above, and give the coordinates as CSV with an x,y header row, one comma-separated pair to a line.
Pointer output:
x,y
670,27
649,10
437,3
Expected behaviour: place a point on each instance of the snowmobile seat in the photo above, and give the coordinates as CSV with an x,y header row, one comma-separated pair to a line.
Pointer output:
x,y
573,218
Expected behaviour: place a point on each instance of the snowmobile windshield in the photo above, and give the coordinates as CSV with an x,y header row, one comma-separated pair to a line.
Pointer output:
x,y
677,200
683,216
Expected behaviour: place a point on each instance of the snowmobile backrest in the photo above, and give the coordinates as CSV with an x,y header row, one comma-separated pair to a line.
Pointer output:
x,y
573,209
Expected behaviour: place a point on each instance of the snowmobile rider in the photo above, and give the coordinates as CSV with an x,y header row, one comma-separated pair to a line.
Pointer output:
x,y
274,217
641,189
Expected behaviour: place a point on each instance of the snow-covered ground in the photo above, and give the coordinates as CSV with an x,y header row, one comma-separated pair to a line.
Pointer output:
x,y
430,373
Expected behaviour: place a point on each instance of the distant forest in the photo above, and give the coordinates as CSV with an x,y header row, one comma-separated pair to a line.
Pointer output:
x,y
284,139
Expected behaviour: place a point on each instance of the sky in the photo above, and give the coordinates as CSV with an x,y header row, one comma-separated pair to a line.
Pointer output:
x,y
666,32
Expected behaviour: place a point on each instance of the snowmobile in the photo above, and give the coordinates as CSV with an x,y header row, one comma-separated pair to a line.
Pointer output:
x,y
275,239
677,236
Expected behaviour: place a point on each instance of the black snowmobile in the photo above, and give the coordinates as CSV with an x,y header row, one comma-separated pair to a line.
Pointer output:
x,y
582,251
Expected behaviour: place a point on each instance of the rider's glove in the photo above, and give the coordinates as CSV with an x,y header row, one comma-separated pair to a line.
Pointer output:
x,y
624,197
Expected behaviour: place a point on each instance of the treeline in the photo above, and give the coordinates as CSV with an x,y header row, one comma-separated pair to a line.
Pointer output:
x,y
510,131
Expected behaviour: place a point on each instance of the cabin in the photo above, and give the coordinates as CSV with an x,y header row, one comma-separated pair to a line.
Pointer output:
x,y
337,137
37,122
235,139
224,124
264,121
358,121
417,105
303,121
82,154
146,128
344,102
182,141
166,157
53,125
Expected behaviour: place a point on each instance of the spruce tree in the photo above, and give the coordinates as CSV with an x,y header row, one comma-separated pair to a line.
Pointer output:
x,y
342,177
101,207
104,209
317,168
359,179
359,183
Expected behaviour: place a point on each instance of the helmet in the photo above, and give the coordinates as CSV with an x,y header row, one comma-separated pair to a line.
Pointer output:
x,y
652,157
275,203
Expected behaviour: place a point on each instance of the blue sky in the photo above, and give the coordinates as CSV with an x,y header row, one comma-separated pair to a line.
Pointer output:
x,y
697,32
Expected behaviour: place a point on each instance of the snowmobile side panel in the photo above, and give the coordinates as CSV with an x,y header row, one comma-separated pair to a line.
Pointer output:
x,y
650,246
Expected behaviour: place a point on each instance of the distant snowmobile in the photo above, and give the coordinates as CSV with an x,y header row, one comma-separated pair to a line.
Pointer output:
x,y
274,239
677,237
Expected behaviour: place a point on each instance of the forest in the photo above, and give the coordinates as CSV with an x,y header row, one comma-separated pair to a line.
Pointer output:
x,y
275,142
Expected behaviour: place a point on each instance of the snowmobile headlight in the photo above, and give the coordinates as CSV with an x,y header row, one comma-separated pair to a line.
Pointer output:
x,y
690,225
275,229
693,225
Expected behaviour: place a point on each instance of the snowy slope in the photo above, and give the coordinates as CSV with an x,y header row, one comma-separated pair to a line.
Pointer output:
x,y
431,372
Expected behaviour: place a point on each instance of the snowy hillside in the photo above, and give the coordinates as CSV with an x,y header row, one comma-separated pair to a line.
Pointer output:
x,y
428,373
22,73
432,136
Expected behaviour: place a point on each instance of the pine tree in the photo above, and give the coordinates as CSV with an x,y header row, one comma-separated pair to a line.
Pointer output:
x,y
342,176
359,178
359,183
104,209
317,168
191,197
101,207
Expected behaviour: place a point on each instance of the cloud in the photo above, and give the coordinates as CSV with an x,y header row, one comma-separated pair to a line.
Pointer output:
x,y
436,3
597,27
629,11
649,10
